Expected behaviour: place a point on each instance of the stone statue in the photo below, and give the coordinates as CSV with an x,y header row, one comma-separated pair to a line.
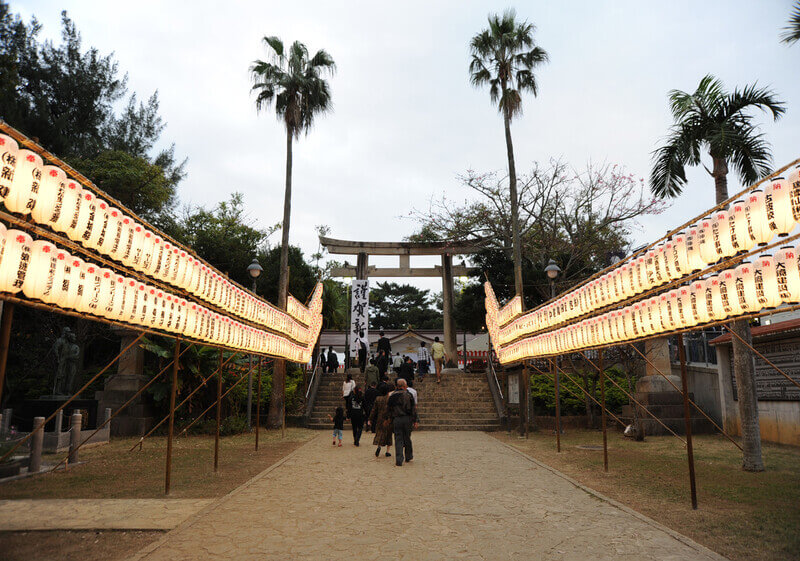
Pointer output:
x,y
67,353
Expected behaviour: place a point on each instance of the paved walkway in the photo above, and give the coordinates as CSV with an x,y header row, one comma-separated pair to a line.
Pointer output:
x,y
97,514
465,496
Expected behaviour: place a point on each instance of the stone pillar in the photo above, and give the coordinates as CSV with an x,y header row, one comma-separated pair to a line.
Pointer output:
x,y
658,395
657,352
35,460
6,423
58,423
450,343
74,437
362,262
137,418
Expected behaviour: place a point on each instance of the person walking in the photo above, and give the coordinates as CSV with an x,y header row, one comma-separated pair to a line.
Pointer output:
x,y
370,395
397,361
379,419
371,374
347,391
423,360
406,370
412,391
357,414
362,352
338,425
439,358
382,363
384,345
333,361
403,412
323,361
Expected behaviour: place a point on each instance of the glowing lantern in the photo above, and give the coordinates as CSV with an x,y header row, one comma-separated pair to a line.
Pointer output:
x,y
708,251
793,180
788,273
80,229
767,282
16,258
70,207
777,199
133,253
651,279
166,262
669,261
714,298
700,301
145,260
90,299
60,292
24,189
667,317
641,323
123,246
626,284
131,304
721,234
110,241
746,287
41,270
108,293
75,277
740,234
662,260
50,200
154,266
757,223
686,306
731,301
9,156
693,256
680,257
100,227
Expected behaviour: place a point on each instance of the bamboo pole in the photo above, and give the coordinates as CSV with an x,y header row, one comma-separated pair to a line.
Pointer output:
x,y
219,405
558,405
175,364
258,402
76,394
210,407
601,369
688,418
697,407
5,340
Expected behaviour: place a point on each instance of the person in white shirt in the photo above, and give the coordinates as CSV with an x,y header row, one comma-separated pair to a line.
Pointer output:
x,y
411,390
396,362
423,360
347,393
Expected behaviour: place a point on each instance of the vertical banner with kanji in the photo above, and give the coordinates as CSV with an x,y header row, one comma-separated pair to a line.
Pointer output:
x,y
359,316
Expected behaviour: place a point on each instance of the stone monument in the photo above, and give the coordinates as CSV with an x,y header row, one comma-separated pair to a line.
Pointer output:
x,y
67,353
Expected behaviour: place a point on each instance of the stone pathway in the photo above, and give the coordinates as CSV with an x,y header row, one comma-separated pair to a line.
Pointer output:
x,y
465,496
97,514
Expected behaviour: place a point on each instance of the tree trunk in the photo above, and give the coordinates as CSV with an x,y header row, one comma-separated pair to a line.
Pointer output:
x,y
277,396
743,361
512,183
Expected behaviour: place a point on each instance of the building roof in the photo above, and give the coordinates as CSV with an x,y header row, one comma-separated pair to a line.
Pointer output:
x,y
762,331
336,339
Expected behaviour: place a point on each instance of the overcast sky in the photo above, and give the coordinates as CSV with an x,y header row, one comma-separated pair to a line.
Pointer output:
x,y
406,120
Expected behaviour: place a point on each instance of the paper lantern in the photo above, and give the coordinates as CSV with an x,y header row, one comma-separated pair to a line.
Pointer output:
x,y
793,179
108,294
650,279
99,228
131,301
701,300
157,256
731,301
686,306
693,257
640,318
721,233
80,229
50,199
757,223
111,238
16,259
24,189
746,286
740,233
75,277
777,200
41,270
714,298
618,325
662,267
166,262
9,156
70,207
767,282
92,285
667,315
680,257
788,273
59,295
123,246
708,251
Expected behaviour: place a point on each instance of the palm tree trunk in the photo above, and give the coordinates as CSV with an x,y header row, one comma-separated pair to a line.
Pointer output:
x,y
277,400
512,183
743,361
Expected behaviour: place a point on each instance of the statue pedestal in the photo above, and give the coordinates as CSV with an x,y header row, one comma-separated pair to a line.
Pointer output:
x,y
138,417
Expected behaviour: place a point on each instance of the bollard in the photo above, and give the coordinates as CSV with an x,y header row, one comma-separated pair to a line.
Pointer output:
x,y
107,415
6,421
35,460
58,423
74,438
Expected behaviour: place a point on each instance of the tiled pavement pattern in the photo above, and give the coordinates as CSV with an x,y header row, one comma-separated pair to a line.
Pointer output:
x,y
465,496
97,514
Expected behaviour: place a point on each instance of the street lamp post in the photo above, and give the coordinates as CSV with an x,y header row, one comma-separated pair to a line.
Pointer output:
x,y
254,270
553,270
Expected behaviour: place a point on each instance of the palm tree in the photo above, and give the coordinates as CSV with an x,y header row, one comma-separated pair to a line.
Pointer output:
x,y
504,56
714,122
791,33
295,84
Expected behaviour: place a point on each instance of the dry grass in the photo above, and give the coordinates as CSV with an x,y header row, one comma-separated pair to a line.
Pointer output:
x,y
741,515
111,472
73,546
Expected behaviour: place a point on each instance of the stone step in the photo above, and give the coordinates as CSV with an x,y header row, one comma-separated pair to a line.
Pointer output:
x,y
462,427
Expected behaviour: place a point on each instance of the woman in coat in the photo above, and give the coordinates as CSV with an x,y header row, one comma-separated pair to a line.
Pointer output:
x,y
379,418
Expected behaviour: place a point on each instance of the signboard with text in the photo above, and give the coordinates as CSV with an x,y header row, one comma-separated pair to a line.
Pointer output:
x,y
359,315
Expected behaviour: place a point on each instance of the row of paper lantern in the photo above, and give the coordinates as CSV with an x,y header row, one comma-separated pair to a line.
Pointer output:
x,y
751,287
753,220
42,271
52,199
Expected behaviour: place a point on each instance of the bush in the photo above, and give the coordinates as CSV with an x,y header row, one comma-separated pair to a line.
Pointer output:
x,y
572,397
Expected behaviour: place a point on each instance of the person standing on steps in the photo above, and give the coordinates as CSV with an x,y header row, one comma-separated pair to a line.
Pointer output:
x,y
347,393
412,391
357,414
384,345
439,358
333,361
323,361
382,363
423,360
403,412
406,370
371,374
370,395
361,345
397,361
380,420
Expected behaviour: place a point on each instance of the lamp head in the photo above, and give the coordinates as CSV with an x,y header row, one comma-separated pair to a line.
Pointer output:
x,y
552,269
254,269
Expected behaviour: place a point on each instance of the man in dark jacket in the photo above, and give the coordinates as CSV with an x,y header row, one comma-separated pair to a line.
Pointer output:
x,y
333,361
370,395
382,362
403,412
384,345
406,370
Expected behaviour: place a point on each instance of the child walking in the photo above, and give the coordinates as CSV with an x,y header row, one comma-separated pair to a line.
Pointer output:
x,y
338,425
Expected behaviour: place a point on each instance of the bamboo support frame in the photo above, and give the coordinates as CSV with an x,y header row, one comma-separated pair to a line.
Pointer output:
x,y
75,395
554,363
258,403
219,406
5,342
688,420
122,407
175,364
244,377
166,417
601,370
677,389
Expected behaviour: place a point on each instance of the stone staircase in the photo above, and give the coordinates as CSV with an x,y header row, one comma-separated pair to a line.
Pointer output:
x,y
461,402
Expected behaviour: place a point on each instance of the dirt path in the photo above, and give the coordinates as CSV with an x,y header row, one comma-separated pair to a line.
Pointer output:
x,y
465,496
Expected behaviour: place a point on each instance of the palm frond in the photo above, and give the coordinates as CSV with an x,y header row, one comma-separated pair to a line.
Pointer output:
x,y
275,44
669,175
791,33
752,96
750,154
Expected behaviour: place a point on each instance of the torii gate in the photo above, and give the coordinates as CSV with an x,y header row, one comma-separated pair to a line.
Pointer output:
x,y
404,250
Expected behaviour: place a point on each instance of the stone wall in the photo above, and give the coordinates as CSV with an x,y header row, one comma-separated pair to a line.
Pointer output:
x,y
704,387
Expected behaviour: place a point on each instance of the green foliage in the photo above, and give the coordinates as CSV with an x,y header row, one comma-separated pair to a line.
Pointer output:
x,y
791,33
334,305
396,306
301,275
572,398
718,123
